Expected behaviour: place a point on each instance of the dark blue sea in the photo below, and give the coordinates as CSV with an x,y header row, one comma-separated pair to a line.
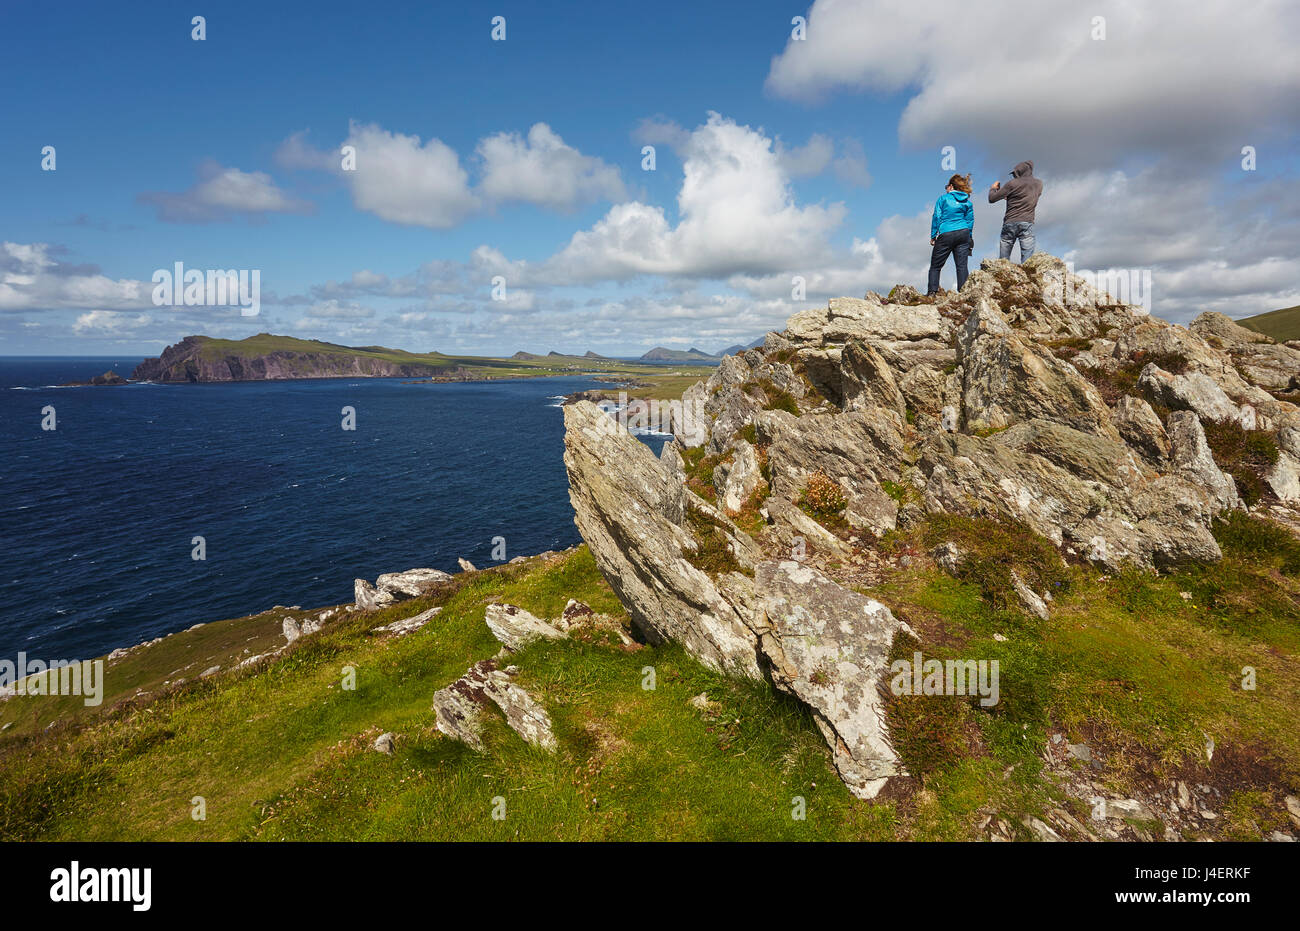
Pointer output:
x,y
97,516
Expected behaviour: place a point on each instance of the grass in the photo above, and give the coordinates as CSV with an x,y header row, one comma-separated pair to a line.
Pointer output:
x,y
1282,324
1140,666
699,468
714,555
1246,455
669,387
778,399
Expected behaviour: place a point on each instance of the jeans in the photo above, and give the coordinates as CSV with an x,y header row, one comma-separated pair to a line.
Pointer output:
x,y
1010,233
956,243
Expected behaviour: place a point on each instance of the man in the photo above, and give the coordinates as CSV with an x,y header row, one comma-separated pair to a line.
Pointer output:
x,y
1021,193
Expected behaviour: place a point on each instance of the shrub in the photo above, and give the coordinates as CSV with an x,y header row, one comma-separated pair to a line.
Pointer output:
x,y
994,548
778,399
1252,539
1246,455
714,555
823,496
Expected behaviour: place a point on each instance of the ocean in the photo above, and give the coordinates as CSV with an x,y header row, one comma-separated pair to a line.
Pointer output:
x,y
98,517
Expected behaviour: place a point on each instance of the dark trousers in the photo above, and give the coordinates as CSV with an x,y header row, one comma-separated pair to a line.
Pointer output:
x,y
956,243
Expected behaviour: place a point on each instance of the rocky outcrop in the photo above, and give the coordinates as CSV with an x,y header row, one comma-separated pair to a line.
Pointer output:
x,y
1030,397
459,709
109,378
516,628
629,508
392,587
1261,361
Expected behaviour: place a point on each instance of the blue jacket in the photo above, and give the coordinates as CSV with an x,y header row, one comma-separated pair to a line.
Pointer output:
x,y
952,211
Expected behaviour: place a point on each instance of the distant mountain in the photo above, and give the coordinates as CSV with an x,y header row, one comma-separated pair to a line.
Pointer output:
x,y
1282,324
661,354
738,349
593,355
267,356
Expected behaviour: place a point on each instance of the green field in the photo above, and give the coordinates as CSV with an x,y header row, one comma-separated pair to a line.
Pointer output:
x,y
1142,667
1282,324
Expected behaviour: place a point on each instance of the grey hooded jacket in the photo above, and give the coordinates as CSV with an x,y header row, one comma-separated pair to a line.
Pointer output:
x,y
1022,193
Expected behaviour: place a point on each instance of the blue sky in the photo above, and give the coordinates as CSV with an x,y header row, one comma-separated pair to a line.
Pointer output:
x,y
776,158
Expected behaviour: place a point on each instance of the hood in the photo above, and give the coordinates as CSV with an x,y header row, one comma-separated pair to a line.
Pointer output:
x,y
1023,170
960,195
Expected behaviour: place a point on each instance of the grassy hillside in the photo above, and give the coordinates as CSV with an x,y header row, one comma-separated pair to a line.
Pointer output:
x,y
266,343
1140,667
1281,324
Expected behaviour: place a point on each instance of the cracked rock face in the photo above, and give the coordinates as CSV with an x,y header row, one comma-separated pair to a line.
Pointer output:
x,y
735,481
1007,379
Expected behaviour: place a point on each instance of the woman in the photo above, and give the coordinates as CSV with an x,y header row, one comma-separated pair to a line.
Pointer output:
x,y
952,231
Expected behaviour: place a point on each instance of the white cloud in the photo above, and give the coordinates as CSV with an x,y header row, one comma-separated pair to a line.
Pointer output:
x,y
402,181
543,170
32,279
737,214
108,323
1200,81
807,160
221,194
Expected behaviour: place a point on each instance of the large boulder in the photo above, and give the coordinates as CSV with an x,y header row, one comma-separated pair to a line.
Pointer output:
x,y
1192,391
516,628
1142,429
768,619
847,318
829,647
1193,459
392,587
866,381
